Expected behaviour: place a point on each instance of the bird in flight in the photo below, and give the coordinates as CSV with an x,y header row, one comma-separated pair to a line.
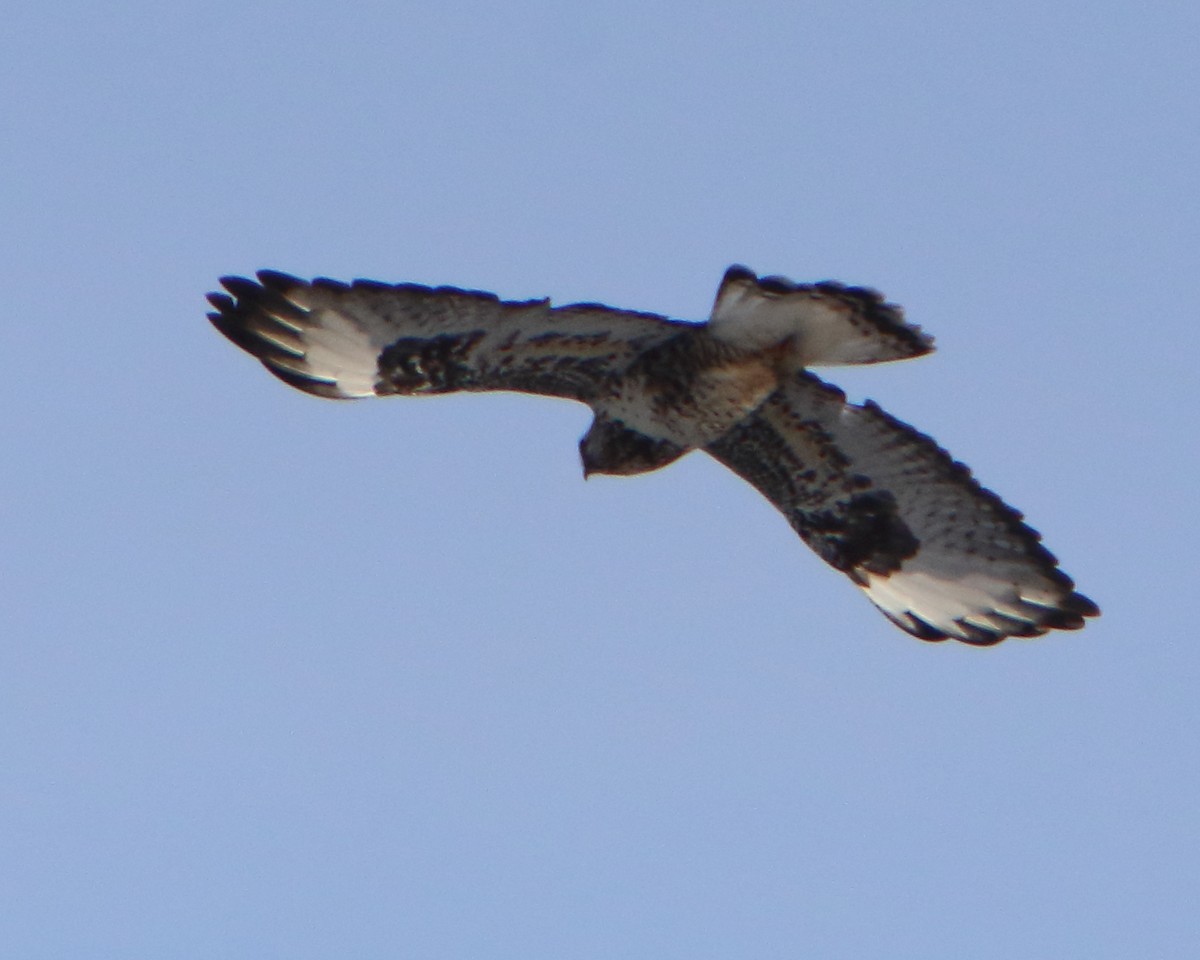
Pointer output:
x,y
941,556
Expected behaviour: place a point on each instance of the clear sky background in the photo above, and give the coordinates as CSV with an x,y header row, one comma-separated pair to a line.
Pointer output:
x,y
288,678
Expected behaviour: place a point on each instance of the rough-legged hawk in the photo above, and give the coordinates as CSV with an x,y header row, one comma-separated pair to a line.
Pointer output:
x,y
941,556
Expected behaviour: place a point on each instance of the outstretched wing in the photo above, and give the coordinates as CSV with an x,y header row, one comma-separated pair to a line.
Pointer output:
x,y
372,339
941,556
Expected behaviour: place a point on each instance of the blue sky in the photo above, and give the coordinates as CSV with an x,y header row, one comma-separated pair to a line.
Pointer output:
x,y
289,678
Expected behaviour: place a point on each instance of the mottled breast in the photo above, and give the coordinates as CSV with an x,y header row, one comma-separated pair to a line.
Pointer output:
x,y
693,388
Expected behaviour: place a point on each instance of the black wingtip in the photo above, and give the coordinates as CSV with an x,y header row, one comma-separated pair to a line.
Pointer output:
x,y
277,280
1084,606
325,389
242,288
1071,613
738,271
256,317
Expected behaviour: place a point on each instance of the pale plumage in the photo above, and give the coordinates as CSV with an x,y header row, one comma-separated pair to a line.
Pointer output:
x,y
938,554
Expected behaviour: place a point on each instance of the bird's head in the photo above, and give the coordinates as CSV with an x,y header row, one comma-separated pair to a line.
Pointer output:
x,y
611,447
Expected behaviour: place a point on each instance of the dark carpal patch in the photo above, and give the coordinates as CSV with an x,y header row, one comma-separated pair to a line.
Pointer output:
x,y
863,532
849,524
428,364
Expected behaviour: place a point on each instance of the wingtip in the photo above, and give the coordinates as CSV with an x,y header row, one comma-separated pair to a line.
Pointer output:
x,y
1083,606
738,271
982,610
277,280
255,316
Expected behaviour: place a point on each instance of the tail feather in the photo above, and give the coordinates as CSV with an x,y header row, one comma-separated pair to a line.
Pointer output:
x,y
827,323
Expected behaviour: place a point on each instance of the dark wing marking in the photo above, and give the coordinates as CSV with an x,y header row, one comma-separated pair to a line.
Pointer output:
x,y
364,338
941,556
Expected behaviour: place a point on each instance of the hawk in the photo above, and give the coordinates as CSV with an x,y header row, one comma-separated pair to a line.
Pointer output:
x,y
941,556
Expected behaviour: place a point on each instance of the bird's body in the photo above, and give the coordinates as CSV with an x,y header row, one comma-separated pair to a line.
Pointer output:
x,y
691,389
939,555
